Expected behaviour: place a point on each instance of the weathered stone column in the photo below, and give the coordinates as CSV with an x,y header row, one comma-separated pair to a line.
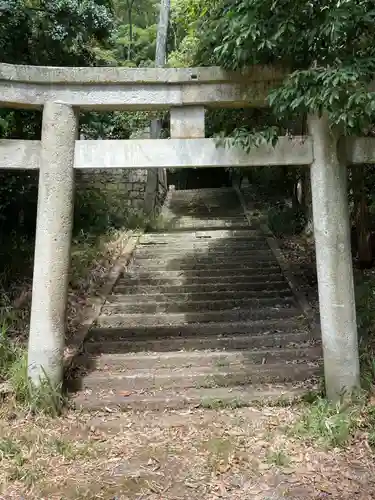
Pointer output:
x,y
334,261
53,241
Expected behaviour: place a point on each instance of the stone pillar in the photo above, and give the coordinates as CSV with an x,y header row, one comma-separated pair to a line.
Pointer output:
x,y
187,122
52,246
334,261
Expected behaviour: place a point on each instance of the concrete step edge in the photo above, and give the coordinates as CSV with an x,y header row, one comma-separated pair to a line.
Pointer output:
x,y
197,317
211,287
162,254
199,343
197,305
152,361
207,398
187,378
257,267
251,274
250,327
193,296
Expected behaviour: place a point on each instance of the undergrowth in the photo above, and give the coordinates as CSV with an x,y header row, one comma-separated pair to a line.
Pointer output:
x,y
334,425
286,220
328,424
98,228
13,370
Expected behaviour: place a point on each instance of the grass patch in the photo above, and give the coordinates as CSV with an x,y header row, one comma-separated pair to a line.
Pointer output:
x,y
42,398
70,450
91,251
220,452
369,423
29,476
330,425
29,458
222,362
18,469
278,457
11,450
10,353
216,404
92,255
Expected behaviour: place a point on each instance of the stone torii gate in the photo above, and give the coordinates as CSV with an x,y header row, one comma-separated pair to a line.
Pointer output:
x,y
186,92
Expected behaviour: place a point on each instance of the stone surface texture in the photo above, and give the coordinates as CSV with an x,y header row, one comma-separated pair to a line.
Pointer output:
x,y
203,315
120,187
187,122
334,261
169,153
188,153
52,246
143,88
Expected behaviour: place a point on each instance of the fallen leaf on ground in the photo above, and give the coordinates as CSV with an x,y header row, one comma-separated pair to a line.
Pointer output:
x,y
125,394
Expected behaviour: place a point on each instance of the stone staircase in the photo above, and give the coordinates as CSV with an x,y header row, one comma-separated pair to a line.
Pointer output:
x,y
202,316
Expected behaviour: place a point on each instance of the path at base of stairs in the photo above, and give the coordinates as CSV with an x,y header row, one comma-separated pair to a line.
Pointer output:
x,y
202,314
198,454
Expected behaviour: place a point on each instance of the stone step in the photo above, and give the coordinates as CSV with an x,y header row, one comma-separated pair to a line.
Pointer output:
x,y
210,216
183,280
216,245
262,259
199,342
260,327
194,264
203,315
130,320
201,282
165,254
207,223
223,246
221,251
174,228
213,286
184,378
212,235
177,399
203,193
236,218
121,362
208,258
203,213
196,306
197,296
187,228
234,273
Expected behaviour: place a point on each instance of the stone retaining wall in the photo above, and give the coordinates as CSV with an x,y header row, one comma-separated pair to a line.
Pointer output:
x,y
119,187
123,190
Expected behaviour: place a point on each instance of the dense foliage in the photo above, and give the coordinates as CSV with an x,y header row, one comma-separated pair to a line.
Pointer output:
x,y
327,45
53,32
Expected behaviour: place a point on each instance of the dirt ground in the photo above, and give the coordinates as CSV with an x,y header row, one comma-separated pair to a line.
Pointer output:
x,y
244,453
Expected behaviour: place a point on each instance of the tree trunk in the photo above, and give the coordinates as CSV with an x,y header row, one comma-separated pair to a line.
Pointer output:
x,y
130,20
156,126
